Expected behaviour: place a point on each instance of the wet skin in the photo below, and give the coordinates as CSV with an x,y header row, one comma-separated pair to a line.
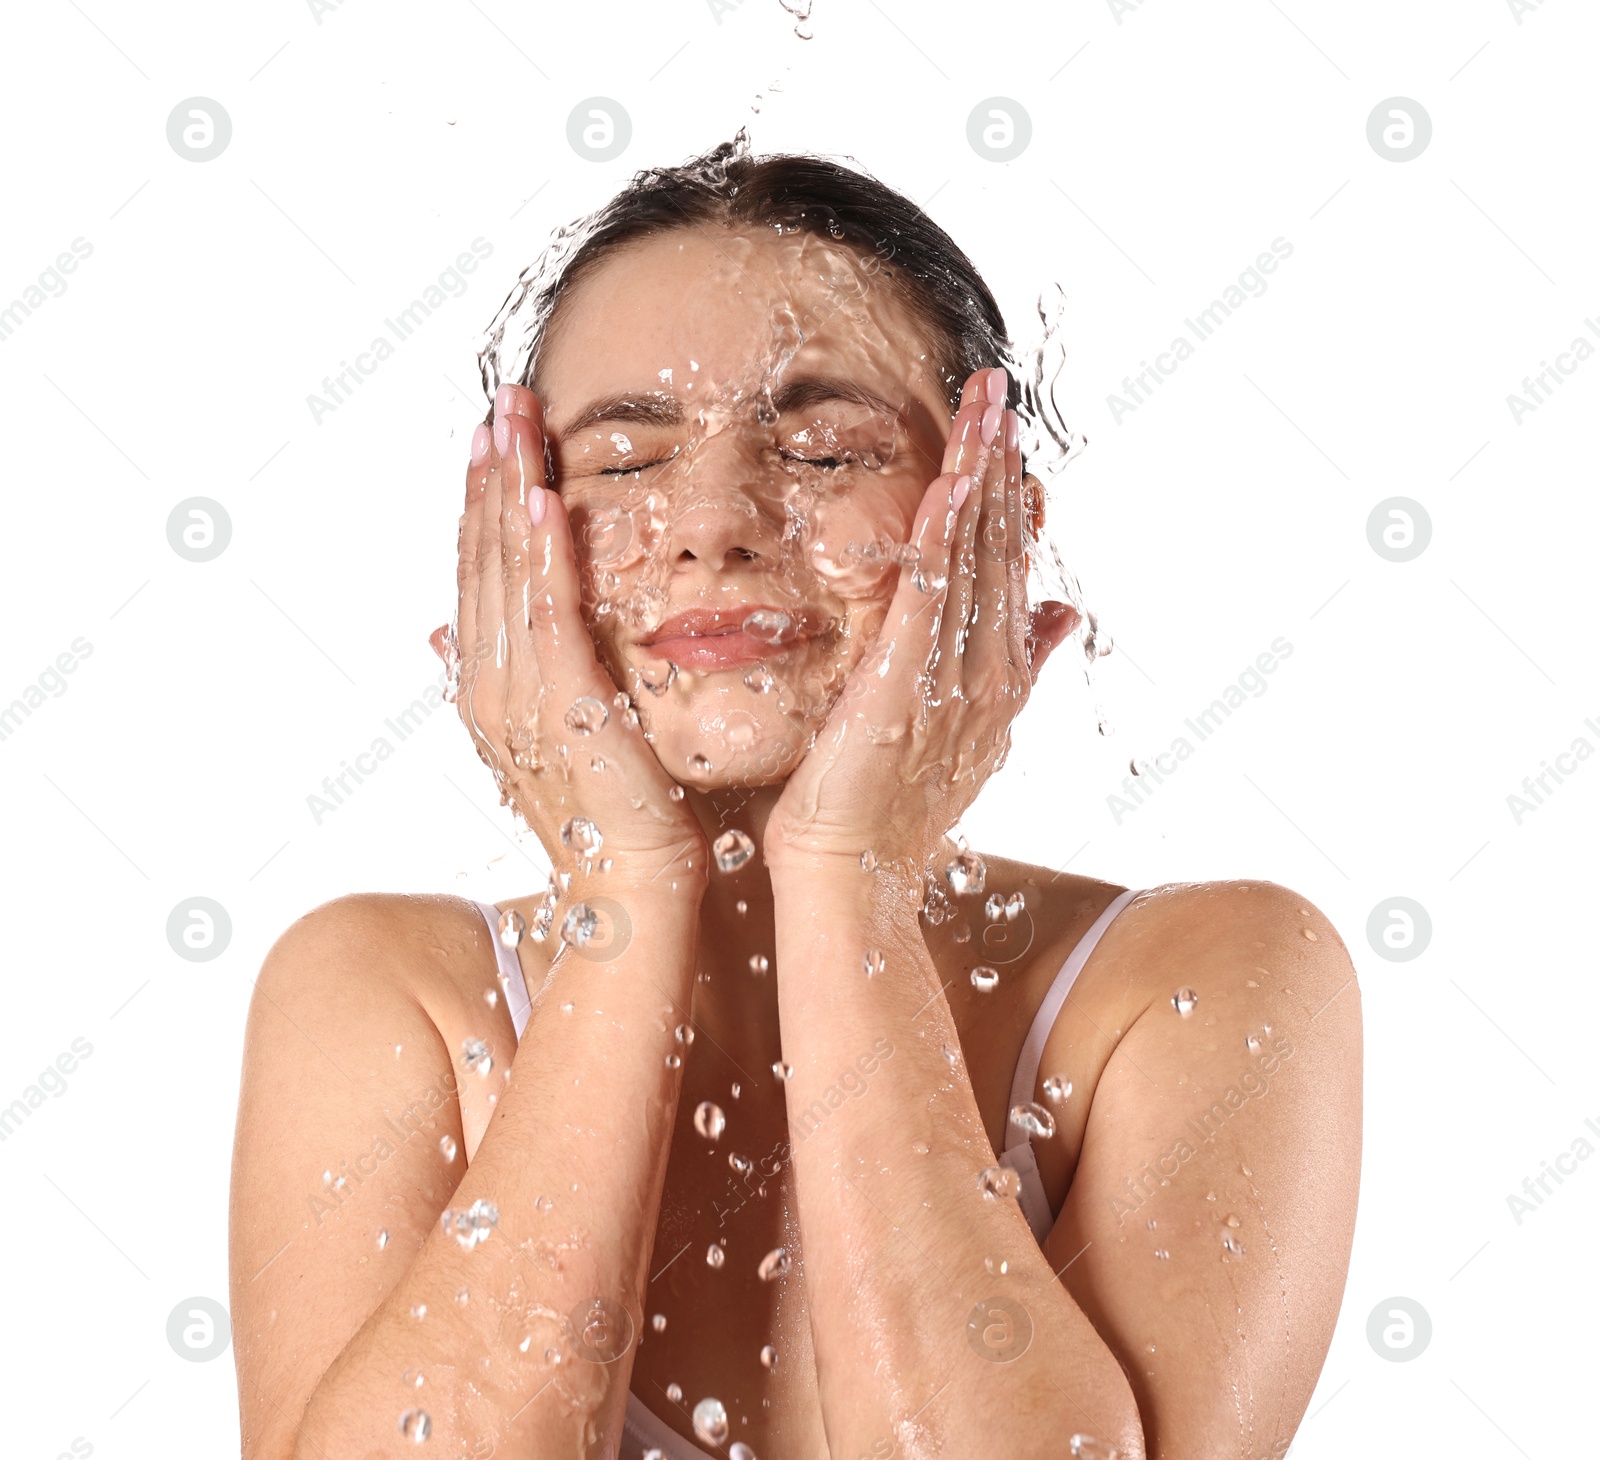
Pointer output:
x,y
1194,1353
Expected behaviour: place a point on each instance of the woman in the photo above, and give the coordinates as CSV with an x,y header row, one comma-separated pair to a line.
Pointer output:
x,y
780,1125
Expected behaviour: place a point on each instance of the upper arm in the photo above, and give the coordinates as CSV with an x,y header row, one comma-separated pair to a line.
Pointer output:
x,y
346,1093
1216,1185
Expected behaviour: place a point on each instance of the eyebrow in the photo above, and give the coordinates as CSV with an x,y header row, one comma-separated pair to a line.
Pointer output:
x,y
661,408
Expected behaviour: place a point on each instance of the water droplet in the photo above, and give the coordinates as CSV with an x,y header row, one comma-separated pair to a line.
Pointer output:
x,y
567,1006
1162,1253
1057,1088
700,765
921,1148
984,979
580,835
1087,1447
734,1088
579,924
674,1393
1309,934
659,1322
1232,1245
462,1295
996,1269
673,1062
1252,1043
783,1069
684,1034
994,908
1247,1171
383,1239
759,963
475,1056
587,715
715,1256
767,625
774,1265
738,1450
415,1425
419,1311
658,678
472,1226
733,848
872,962
869,860
966,873
491,997
769,1357
1014,905
447,1147
512,926
741,907
996,1181
1184,1001
742,1165
709,1119
1034,1119
711,1422
759,678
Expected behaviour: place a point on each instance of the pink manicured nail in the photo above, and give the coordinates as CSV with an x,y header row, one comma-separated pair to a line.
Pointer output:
x,y
958,493
1013,431
991,425
503,398
999,383
480,444
536,504
502,436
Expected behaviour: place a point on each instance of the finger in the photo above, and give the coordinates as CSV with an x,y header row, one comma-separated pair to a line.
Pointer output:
x,y
988,646
1016,610
485,704
468,570
1049,626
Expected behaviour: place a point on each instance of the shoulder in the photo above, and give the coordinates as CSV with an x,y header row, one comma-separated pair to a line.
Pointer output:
x,y
368,950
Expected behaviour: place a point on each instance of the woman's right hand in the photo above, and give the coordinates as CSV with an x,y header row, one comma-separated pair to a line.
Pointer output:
x,y
563,742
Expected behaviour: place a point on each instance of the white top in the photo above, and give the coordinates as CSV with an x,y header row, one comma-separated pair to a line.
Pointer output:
x,y
643,1431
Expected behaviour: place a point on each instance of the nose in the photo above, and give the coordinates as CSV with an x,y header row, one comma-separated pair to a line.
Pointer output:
x,y
723,514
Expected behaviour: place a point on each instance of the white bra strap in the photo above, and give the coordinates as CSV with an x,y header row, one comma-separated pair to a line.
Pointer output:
x,y
518,1004
1033,1047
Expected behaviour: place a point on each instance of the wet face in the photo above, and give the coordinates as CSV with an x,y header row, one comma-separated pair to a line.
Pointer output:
x,y
742,424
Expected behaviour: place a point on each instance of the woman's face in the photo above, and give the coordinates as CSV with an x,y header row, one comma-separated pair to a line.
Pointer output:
x,y
742,425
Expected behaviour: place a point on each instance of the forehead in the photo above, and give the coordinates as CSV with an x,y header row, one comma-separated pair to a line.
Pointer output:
x,y
707,312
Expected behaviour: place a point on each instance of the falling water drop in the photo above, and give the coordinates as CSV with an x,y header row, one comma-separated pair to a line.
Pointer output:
x,y
1184,1001
587,715
1034,1119
872,962
966,873
580,835
759,963
447,1147
578,927
769,1357
709,1120
774,1265
415,1425
711,1422
715,1256
475,1056
1057,1088
998,1181
995,908
985,979
512,926
733,848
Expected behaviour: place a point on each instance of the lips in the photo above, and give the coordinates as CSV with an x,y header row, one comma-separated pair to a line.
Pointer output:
x,y
716,638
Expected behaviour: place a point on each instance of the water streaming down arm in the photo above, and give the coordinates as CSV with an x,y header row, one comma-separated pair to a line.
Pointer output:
x,y
377,1318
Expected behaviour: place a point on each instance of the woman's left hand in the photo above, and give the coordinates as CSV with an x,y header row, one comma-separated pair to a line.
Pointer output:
x,y
925,717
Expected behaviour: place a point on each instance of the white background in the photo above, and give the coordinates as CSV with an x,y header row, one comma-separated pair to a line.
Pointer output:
x,y
1170,146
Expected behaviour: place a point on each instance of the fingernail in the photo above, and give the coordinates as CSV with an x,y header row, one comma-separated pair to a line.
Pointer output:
x,y
480,444
991,424
536,503
999,384
503,398
502,435
1013,431
958,493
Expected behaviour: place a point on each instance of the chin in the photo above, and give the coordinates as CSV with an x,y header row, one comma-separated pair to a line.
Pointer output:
x,y
699,751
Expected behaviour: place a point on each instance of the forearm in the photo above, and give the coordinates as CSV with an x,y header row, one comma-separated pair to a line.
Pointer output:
x,y
577,1203
903,1251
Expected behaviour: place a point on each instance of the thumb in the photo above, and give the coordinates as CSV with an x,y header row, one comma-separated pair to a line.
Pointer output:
x,y
1050,625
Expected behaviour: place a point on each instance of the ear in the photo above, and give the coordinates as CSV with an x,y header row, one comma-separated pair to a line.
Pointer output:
x,y
1051,623
1032,514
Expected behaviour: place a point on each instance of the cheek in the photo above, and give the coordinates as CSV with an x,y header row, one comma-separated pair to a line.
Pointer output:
x,y
851,540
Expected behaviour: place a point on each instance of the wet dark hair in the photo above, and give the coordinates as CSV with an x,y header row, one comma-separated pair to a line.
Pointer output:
x,y
727,186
